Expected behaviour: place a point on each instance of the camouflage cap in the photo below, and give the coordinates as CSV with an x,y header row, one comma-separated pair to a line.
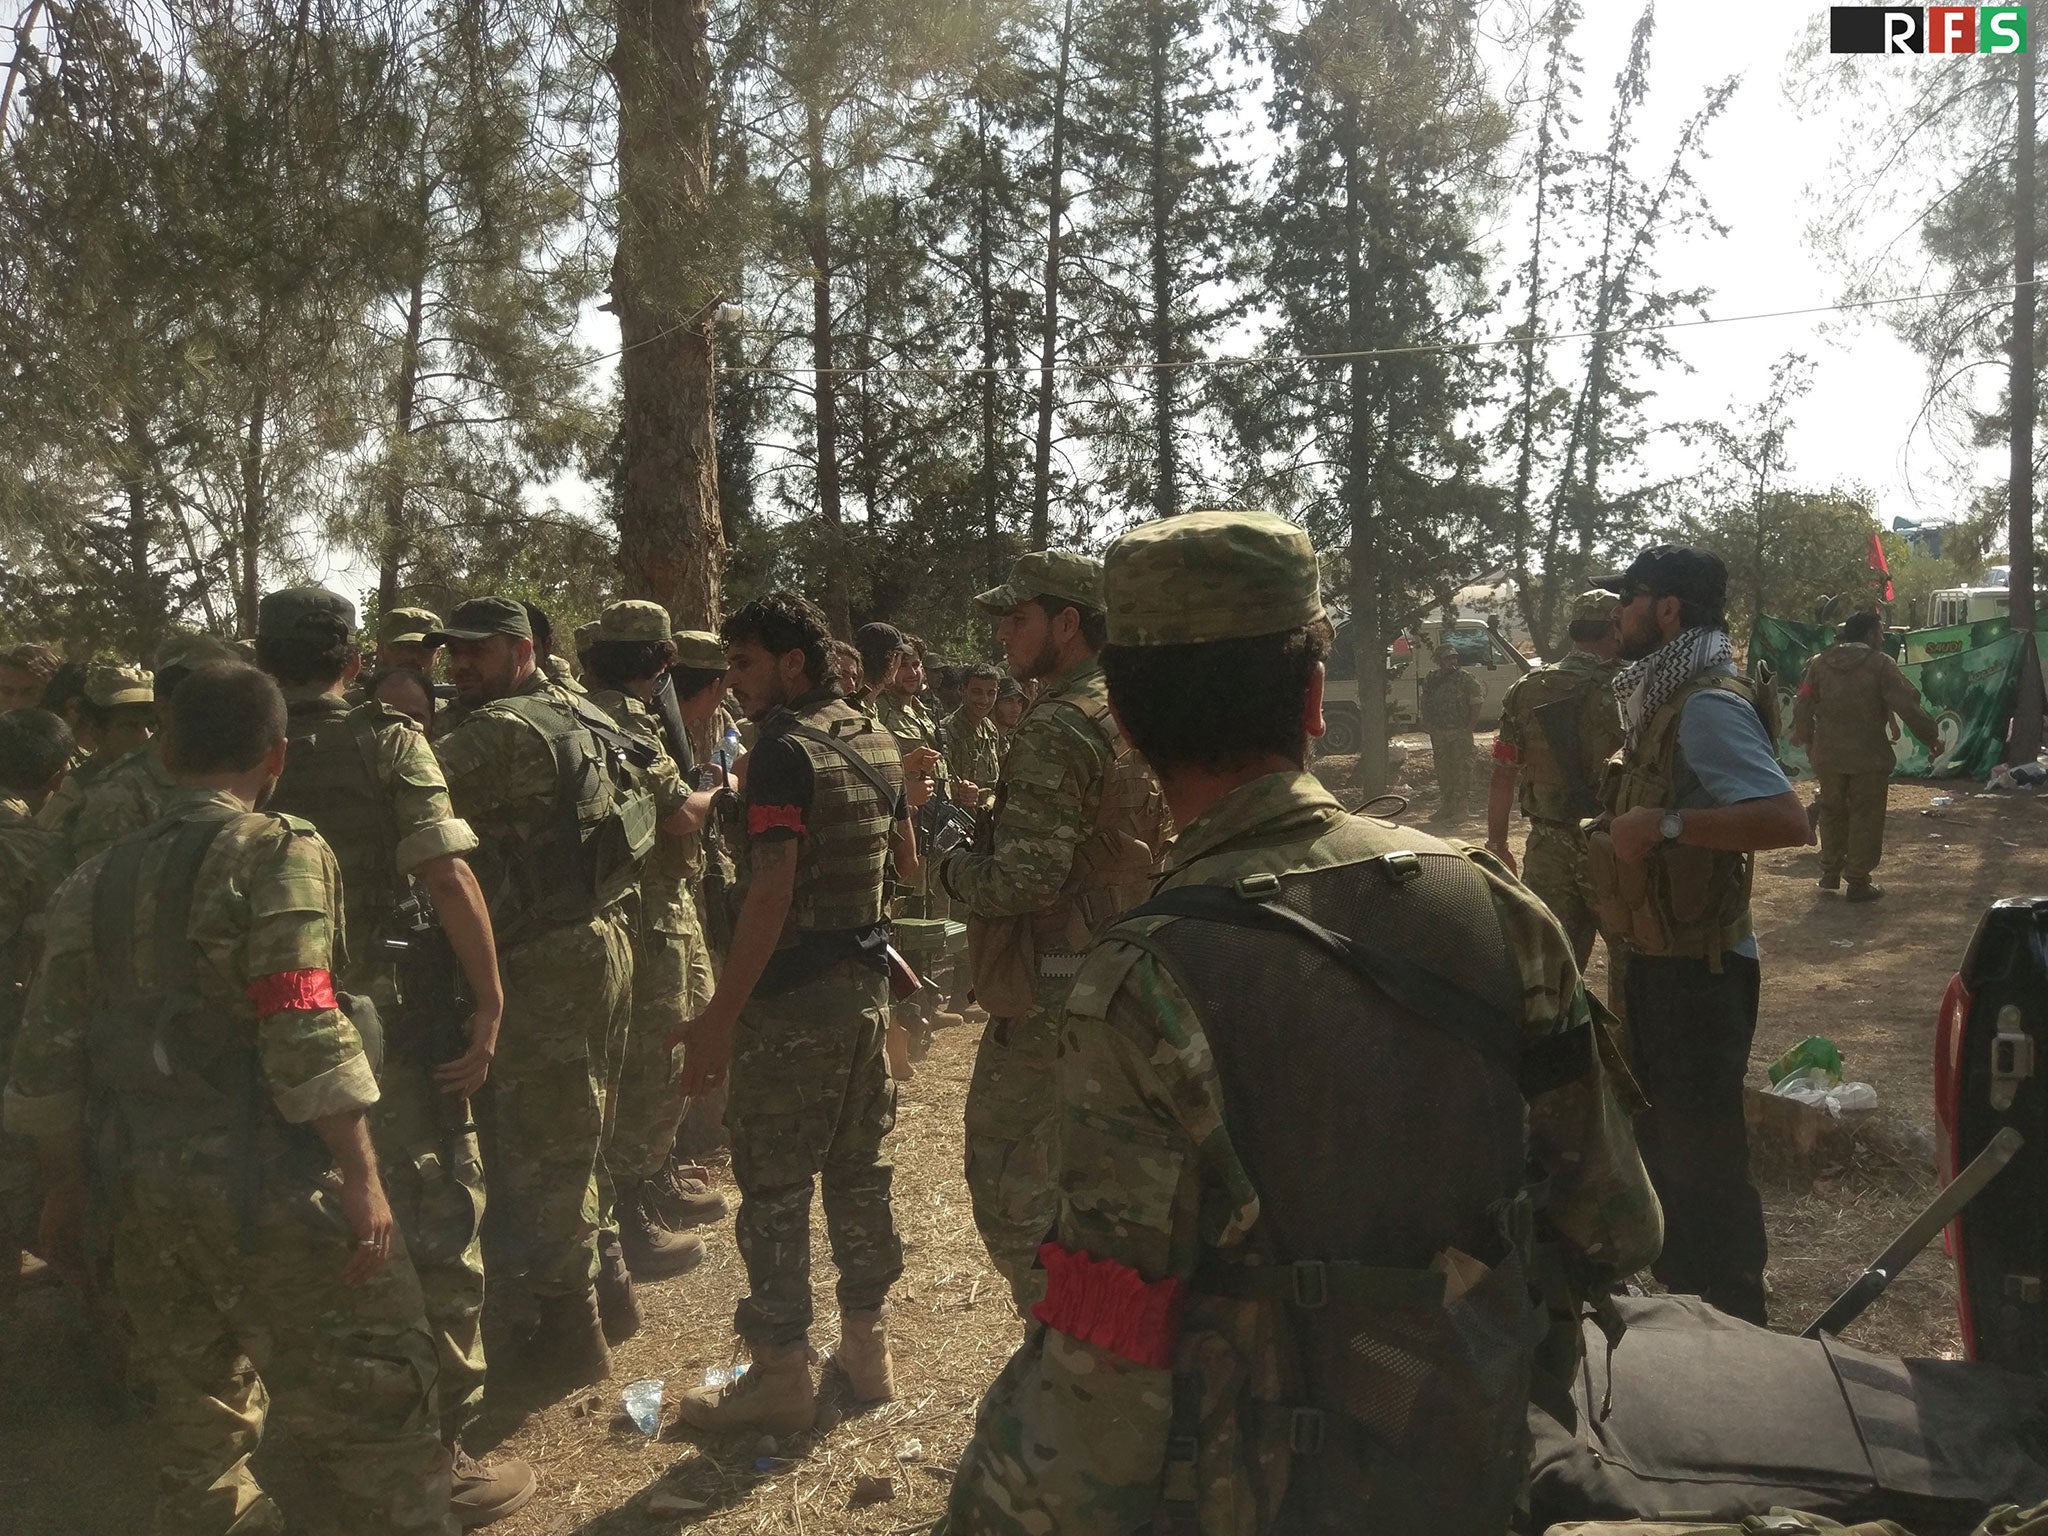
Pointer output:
x,y
406,626
482,617
585,635
184,652
633,620
110,686
1210,576
1048,573
699,650
311,612
1597,606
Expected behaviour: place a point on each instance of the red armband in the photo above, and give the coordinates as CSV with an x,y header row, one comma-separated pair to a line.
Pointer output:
x,y
768,818
1111,1306
302,991
1806,690
1506,751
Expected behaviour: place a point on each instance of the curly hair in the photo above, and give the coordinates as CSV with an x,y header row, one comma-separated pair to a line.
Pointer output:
x,y
782,622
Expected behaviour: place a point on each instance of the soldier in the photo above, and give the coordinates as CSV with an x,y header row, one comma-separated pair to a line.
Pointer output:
x,y
1450,713
1558,727
130,794
185,1025
1070,846
1009,709
117,708
1843,720
34,747
367,781
1281,1297
799,1013
974,746
1696,794
403,639
629,653
25,671
556,793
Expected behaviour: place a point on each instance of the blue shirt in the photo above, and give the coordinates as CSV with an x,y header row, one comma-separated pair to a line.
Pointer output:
x,y
1724,758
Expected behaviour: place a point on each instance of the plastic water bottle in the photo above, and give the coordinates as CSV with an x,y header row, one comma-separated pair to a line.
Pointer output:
x,y
642,1400
728,750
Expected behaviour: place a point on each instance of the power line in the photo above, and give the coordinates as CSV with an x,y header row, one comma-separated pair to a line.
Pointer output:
x,y
1302,359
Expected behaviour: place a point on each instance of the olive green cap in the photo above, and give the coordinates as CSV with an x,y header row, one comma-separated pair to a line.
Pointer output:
x,y
108,687
406,626
635,619
311,612
480,618
1048,573
1210,576
1598,605
190,651
699,650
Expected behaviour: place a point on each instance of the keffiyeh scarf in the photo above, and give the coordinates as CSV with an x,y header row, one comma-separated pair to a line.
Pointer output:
x,y
1646,686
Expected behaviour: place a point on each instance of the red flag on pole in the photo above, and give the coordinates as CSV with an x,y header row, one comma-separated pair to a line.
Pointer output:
x,y
1877,563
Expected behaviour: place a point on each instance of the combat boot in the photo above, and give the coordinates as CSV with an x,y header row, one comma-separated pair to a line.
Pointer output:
x,y
651,1251
776,1396
1863,890
616,1303
862,1357
1829,882
486,1491
683,1198
568,1348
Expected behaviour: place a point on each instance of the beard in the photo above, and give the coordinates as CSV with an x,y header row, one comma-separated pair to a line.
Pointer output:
x,y
1637,641
1045,663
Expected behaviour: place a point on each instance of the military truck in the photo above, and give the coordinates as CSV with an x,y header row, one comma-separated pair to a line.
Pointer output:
x,y
1485,654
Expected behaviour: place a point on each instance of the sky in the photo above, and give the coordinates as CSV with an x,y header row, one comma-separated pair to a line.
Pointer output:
x,y
1769,170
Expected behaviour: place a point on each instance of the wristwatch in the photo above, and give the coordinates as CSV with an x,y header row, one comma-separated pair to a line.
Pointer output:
x,y
1671,826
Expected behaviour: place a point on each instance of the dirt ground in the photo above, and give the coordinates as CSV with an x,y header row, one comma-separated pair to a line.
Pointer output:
x,y
1868,977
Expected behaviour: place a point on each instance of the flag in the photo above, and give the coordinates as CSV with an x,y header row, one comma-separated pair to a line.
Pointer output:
x,y
1877,562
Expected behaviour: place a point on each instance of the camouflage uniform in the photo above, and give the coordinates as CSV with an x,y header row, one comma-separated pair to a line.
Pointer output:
x,y
921,899
31,864
810,1098
1554,860
127,797
1076,819
1074,1436
646,1102
1447,701
974,749
235,1292
568,992
1846,701
108,687
426,1142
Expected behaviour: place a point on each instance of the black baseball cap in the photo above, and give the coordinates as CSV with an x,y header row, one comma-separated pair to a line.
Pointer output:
x,y
482,617
304,612
1695,576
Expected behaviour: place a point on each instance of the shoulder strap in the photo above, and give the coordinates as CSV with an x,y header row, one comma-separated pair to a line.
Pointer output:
x,y
113,909
364,729
1436,1000
177,958
861,765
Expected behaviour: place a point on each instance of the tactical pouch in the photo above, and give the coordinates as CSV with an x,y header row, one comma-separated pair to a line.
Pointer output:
x,y
1620,895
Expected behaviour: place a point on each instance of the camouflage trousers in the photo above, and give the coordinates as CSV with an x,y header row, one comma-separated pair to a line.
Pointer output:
x,y
434,1179
811,1102
1010,1145
568,998
1554,867
231,1339
672,982
1852,807
1453,753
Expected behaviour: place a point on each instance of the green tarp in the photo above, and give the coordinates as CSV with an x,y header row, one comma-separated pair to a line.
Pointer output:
x,y
1968,689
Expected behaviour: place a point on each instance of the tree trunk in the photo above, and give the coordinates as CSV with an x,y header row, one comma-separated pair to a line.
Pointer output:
x,y
987,384
146,615
1049,330
249,544
1530,364
666,278
838,602
1361,505
392,544
1166,451
2025,743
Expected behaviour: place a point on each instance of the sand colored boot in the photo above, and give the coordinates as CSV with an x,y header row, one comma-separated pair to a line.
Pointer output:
x,y
775,1397
862,1357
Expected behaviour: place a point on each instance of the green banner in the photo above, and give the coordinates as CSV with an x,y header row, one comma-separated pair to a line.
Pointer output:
x,y
1967,688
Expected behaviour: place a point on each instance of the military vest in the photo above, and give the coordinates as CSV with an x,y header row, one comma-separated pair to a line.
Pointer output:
x,y
1679,900
1389,1265
588,853
331,778
845,845
1545,784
